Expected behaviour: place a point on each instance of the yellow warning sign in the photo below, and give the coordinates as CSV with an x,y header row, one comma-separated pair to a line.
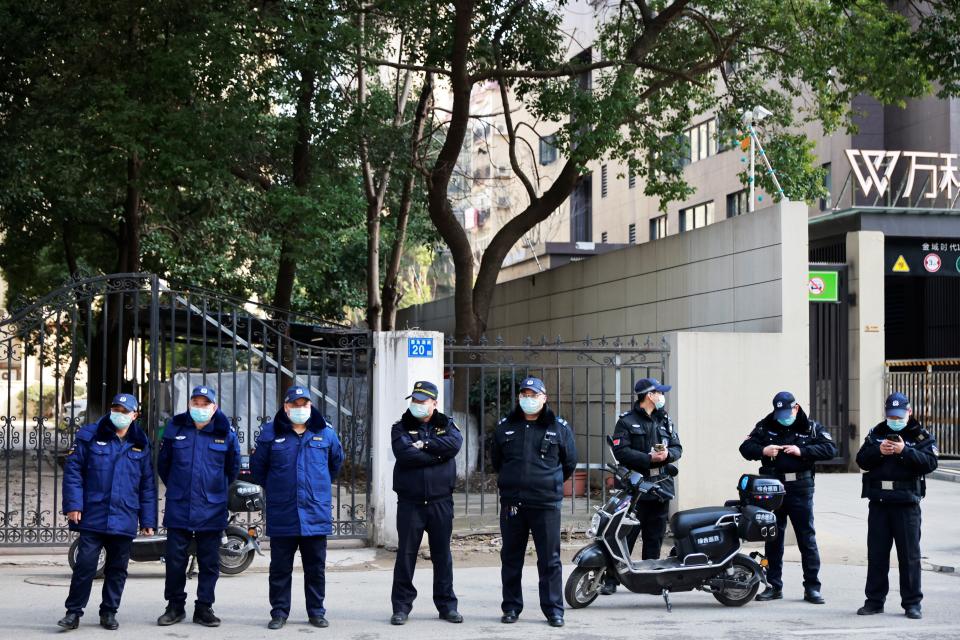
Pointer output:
x,y
901,266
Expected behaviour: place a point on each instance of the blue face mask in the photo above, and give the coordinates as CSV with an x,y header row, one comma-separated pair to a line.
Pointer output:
x,y
201,415
299,415
531,406
787,421
121,420
418,410
896,424
660,402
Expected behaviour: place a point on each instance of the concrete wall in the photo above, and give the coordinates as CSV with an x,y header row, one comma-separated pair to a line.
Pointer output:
x,y
731,301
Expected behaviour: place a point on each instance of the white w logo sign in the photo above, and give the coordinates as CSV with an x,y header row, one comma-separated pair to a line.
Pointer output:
x,y
873,161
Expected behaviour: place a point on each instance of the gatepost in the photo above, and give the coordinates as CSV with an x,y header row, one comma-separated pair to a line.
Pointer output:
x,y
402,358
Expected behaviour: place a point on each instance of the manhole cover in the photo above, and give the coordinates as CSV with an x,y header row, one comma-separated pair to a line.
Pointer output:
x,y
48,581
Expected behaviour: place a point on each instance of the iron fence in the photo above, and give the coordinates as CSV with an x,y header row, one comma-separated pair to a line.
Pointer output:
x,y
589,383
64,356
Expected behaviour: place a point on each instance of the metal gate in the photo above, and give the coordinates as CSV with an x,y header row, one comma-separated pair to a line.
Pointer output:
x,y
829,353
933,387
589,383
63,357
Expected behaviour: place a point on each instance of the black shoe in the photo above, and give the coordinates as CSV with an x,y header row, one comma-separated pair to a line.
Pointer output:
x,y
913,613
770,593
609,588
869,610
555,621
319,621
452,616
69,621
204,616
509,617
276,623
398,618
109,621
172,615
813,596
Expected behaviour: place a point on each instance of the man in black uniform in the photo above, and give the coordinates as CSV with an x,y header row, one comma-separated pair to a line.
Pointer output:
x,y
534,453
645,440
896,455
425,443
788,443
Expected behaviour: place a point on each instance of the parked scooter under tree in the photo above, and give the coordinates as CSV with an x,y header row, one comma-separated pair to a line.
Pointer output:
x,y
237,546
708,540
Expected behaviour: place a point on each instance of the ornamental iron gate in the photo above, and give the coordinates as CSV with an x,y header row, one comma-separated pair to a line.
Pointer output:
x,y
63,357
589,383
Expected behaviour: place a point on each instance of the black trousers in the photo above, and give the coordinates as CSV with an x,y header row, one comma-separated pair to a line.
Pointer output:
x,y
798,507
313,553
652,515
85,570
516,526
178,557
413,519
888,524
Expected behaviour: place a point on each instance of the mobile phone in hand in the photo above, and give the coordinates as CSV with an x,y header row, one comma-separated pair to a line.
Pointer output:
x,y
892,437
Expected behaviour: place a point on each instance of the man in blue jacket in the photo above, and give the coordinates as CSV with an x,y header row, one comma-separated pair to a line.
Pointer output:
x,y
425,443
199,458
108,487
296,459
534,453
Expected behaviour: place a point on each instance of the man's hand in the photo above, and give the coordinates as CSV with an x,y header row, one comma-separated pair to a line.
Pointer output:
x,y
147,531
658,456
792,450
73,517
418,444
890,448
771,450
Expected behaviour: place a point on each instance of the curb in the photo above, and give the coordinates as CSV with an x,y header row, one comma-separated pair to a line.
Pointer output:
x,y
948,475
938,568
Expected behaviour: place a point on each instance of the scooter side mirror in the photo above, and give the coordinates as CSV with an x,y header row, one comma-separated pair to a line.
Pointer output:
x,y
672,470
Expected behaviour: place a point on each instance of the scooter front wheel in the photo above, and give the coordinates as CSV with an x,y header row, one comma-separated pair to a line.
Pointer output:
x,y
583,586
72,558
741,570
231,561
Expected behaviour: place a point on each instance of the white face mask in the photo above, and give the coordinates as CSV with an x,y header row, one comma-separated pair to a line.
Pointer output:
x,y
299,415
531,405
418,410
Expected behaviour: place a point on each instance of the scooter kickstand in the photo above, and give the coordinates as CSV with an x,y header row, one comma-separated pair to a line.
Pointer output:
x,y
666,598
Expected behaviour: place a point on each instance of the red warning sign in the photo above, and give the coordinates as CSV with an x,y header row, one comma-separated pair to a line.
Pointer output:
x,y
932,262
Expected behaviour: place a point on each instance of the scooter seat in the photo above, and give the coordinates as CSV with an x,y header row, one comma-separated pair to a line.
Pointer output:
x,y
683,522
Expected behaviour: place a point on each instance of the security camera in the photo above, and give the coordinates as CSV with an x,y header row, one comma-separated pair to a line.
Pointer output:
x,y
761,113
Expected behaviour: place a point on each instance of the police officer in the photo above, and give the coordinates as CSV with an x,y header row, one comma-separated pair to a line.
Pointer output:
x,y
896,455
296,459
534,453
425,443
108,487
788,443
199,458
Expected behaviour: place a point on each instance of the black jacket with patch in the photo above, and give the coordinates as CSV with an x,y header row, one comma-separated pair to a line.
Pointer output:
x,y
897,478
633,439
810,436
430,473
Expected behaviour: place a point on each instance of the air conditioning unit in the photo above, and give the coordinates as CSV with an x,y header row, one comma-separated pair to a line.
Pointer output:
x,y
503,202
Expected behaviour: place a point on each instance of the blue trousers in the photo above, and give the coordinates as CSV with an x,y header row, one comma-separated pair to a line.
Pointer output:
x,y
177,558
888,524
85,570
313,553
436,518
798,507
516,526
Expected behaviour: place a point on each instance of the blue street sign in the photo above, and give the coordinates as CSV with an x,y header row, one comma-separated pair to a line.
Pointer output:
x,y
419,347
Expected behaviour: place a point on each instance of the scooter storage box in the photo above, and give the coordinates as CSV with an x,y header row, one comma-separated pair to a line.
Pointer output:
x,y
761,491
757,524
245,496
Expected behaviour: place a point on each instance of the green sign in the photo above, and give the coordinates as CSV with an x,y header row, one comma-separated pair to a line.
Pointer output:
x,y
824,286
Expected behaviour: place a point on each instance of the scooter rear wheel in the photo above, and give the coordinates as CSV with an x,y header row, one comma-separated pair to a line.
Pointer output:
x,y
231,564
741,570
72,558
583,586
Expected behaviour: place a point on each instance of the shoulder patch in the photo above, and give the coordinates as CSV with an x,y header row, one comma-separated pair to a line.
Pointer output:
x,y
561,420
826,434
453,424
921,437
624,413
935,451
502,420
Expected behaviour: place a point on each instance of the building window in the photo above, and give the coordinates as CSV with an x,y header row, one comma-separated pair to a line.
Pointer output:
x,y
701,140
696,216
631,178
603,237
827,202
603,181
632,234
737,203
658,227
581,210
548,149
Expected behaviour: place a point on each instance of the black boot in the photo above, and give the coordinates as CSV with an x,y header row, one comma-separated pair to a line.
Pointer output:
x,y
770,593
109,621
204,615
172,615
69,621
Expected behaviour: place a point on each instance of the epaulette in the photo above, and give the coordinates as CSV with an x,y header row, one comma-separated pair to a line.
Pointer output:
x,y
562,421
451,423
624,413
85,435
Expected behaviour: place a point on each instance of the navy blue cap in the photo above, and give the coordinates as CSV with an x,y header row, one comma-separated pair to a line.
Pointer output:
x,y
897,405
295,393
206,392
126,400
646,385
783,404
423,390
534,384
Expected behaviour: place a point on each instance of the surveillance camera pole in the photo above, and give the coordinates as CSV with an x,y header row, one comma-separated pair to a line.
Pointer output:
x,y
749,117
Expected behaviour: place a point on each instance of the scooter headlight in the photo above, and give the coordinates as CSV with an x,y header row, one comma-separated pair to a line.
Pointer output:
x,y
595,522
